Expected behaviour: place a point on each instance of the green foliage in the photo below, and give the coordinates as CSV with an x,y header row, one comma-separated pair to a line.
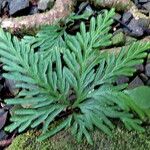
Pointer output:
x,y
71,83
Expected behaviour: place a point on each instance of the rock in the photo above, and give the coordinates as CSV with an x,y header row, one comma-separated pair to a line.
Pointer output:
x,y
139,6
117,16
1,6
45,4
135,83
88,11
11,86
148,83
118,38
142,1
122,79
147,70
82,6
137,31
140,68
144,11
33,10
17,6
3,135
144,23
127,16
136,2
143,77
147,6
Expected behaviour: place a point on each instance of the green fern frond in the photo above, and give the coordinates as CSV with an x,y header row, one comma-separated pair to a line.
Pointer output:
x,y
47,38
72,85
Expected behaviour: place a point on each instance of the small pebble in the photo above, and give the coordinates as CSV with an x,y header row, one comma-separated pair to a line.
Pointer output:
x,y
143,77
45,4
127,16
147,70
17,5
122,79
135,83
140,68
33,10
147,6
137,31
142,1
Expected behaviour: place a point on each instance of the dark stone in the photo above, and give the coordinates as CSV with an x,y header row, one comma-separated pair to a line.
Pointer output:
x,y
139,6
143,1
148,83
136,2
33,10
147,6
147,70
144,11
3,135
45,4
136,30
4,3
89,9
135,83
117,16
1,6
11,84
2,112
127,16
17,6
122,79
143,77
140,68
144,23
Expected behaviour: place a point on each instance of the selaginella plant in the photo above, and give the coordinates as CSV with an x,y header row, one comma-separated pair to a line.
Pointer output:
x,y
70,82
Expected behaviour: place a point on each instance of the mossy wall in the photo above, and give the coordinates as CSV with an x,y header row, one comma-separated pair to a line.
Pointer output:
x,y
121,140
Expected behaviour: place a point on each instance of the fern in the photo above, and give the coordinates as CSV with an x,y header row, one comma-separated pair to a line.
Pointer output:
x,y
73,85
51,36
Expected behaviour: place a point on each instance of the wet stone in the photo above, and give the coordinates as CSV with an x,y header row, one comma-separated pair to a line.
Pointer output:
x,y
143,77
11,84
117,16
148,83
135,83
122,80
144,23
45,4
147,6
33,10
127,16
136,30
2,5
142,1
147,70
17,5
136,2
140,68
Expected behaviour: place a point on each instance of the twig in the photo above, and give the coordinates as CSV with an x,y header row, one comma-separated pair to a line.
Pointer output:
x,y
61,9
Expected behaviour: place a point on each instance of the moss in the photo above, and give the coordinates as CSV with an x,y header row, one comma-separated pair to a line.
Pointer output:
x,y
121,140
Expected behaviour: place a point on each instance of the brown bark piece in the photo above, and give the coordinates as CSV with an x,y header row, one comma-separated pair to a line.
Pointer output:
x,y
119,5
61,9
